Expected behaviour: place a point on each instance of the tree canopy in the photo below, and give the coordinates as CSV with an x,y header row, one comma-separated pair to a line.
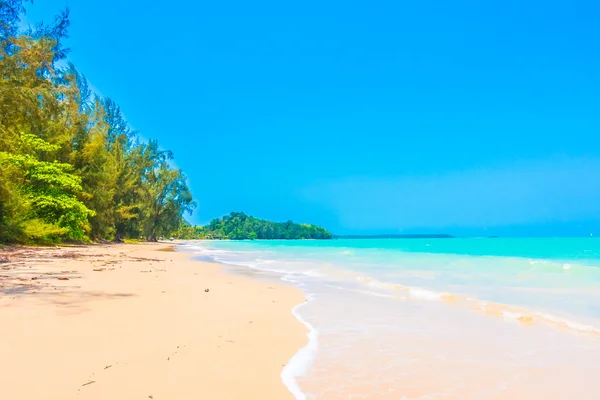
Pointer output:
x,y
239,226
70,166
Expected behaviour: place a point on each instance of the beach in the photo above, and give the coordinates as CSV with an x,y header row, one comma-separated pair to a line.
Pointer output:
x,y
302,319
512,318
140,321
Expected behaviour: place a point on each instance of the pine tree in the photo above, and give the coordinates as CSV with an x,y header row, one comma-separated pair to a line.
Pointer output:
x,y
70,166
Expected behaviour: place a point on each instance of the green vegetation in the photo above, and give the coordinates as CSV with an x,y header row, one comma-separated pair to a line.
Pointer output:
x,y
72,169
70,166
239,226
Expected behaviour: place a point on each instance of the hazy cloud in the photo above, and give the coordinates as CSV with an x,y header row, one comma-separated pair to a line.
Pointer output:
x,y
534,192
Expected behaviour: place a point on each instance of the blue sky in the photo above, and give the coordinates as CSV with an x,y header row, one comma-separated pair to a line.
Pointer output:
x,y
466,117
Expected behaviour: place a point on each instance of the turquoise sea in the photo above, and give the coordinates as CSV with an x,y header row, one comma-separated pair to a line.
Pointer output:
x,y
501,317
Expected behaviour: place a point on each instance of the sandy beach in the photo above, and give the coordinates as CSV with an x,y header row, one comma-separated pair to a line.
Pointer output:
x,y
140,322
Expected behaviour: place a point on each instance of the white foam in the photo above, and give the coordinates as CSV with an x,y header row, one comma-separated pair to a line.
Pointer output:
x,y
387,296
261,266
263,261
511,315
413,292
423,294
201,250
299,364
251,265
313,273
570,324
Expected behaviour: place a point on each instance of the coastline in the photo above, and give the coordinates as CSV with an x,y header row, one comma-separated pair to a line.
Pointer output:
x,y
394,323
134,321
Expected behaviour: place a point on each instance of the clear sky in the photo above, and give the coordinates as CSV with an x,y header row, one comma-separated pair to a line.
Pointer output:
x,y
464,117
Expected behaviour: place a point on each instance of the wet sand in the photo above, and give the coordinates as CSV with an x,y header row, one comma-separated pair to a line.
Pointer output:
x,y
411,349
136,322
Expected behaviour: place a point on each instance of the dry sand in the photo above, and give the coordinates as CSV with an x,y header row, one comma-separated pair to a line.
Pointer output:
x,y
135,322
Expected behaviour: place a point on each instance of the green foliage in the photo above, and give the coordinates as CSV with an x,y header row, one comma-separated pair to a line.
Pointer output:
x,y
132,241
70,166
165,193
239,226
40,232
49,189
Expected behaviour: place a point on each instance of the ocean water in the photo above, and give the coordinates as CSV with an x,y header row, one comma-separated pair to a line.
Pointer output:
x,y
437,318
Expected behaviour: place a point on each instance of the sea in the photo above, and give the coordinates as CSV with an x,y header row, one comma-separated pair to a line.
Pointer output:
x,y
460,318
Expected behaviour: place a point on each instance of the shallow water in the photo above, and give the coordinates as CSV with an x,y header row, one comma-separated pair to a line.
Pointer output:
x,y
439,318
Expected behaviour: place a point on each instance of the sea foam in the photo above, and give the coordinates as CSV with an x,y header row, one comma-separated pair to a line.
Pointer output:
x,y
301,362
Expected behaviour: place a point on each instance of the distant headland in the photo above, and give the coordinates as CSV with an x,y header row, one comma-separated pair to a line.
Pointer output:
x,y
239,226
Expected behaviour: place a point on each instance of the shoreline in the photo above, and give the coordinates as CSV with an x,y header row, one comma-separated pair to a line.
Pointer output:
x,y
303,359
134,321
378,339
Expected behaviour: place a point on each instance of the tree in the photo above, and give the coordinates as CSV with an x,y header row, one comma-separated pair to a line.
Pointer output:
x,y
48,189
70,165
10,16
239,226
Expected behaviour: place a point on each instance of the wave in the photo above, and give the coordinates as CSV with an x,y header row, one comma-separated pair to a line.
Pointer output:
x,y
509,312
301,362
417,279
286,268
